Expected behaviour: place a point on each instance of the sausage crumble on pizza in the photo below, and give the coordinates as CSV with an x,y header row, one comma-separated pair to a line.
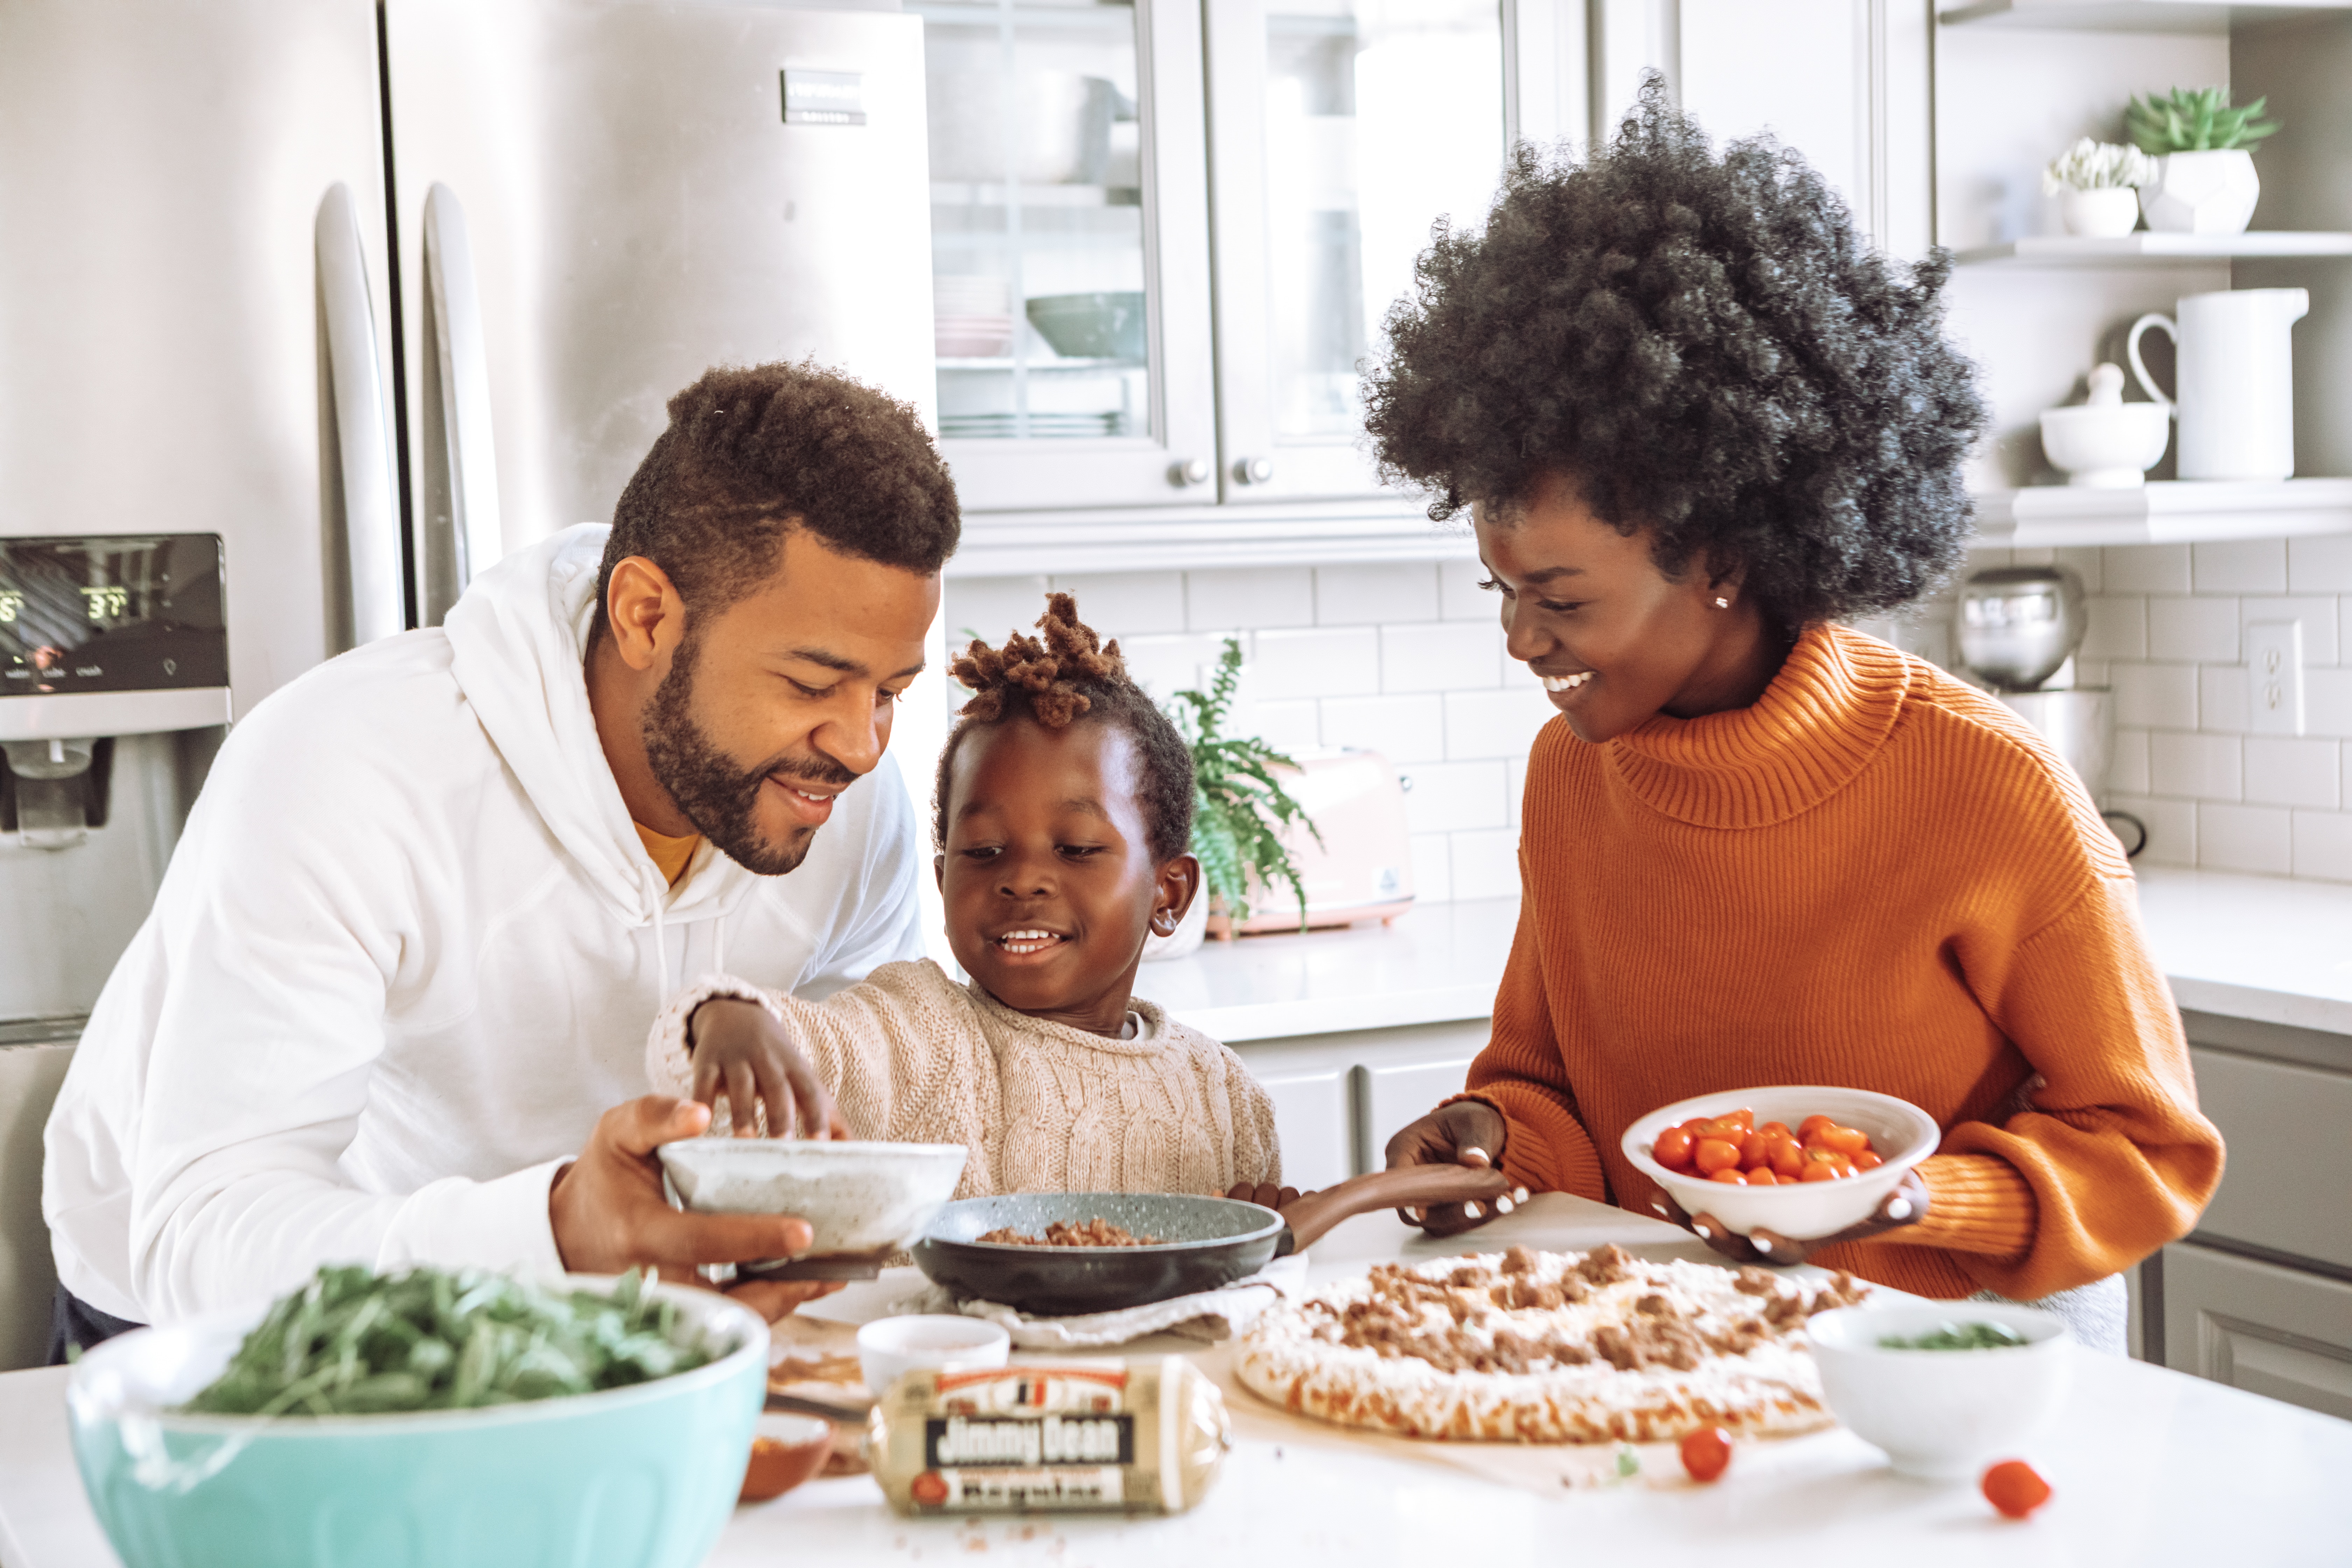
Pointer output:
x,y
1547,1347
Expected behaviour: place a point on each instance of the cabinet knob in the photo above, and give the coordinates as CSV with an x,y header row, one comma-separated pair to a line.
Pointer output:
x,y
1254,470
1191,472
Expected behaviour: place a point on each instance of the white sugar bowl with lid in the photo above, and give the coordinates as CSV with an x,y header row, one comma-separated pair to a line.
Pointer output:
x,y
2107,444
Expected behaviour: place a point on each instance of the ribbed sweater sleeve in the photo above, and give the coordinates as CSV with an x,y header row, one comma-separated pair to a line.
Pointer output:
x,y
1521,1075
2112,1159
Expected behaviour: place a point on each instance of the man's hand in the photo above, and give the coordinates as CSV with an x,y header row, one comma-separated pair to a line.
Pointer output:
x,y
742,1054
609,1214
1466,1132
1906,1204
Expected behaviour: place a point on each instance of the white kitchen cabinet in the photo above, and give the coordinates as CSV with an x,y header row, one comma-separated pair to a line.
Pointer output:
x,y
1338,1098
2268,1329
2290,1166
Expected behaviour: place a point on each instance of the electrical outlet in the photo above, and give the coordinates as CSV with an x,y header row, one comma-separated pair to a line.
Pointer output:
x,y
2274,677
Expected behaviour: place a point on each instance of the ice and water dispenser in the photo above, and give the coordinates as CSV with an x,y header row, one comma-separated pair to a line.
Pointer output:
x,y
113,692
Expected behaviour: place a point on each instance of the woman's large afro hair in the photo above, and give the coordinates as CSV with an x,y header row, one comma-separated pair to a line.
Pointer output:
x,y
1707,346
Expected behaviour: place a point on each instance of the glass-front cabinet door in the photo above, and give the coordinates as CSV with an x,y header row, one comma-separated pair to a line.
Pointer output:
x,y
1341,129
1069,252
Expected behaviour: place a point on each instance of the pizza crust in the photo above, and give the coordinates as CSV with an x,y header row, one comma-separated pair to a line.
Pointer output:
x,y
1533,1347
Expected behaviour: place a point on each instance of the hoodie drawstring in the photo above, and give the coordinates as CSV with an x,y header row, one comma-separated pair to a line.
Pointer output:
x,y
661,960
719,944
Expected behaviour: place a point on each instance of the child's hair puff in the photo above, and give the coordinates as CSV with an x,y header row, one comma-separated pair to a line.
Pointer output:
x,y
1067,675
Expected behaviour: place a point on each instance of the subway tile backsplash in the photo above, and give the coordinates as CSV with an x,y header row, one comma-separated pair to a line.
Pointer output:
x,y
2167,633
1405,659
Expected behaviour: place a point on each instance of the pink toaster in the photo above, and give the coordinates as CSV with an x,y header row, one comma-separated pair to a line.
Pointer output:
x,y
1361,870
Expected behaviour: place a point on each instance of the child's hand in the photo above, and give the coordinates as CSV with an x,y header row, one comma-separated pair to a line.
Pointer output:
x,y
741,1053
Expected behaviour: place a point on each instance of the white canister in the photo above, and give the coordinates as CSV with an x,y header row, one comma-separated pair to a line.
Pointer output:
x,y
2235,380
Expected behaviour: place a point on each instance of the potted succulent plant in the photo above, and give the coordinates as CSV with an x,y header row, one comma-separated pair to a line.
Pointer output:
x,y
1240,809
2097,187
2205,181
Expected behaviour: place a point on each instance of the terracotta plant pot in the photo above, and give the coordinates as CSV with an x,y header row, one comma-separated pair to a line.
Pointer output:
x,y
2202,193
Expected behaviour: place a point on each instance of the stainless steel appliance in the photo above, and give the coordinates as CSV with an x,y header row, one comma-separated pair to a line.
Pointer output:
x,y
318,307
2018,626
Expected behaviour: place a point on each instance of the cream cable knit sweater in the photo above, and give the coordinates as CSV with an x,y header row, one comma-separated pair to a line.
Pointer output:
x,y
915,1057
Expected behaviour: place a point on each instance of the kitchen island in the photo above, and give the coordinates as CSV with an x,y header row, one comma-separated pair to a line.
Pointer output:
x,y
2149,1466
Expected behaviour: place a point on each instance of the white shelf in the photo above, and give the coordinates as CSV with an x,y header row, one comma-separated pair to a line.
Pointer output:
x,y
2154,249
965,194
1038,366
2165,513
2129,16
1203,534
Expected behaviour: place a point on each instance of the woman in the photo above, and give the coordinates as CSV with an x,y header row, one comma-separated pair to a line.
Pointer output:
x,y
1696,421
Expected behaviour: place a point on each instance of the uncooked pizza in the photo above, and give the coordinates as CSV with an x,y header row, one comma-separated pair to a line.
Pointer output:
x,y
1549,1347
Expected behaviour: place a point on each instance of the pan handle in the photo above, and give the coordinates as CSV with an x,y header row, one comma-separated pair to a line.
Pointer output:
x,y
1318,1212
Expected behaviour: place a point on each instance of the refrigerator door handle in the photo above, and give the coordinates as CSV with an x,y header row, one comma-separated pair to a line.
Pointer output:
x,y
471,538
368,540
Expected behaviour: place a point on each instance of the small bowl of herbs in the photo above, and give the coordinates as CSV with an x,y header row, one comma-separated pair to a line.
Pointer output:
x,y
426,1417
1942,1385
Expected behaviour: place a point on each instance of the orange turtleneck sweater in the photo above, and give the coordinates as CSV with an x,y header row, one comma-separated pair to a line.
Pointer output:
x,y
1876,877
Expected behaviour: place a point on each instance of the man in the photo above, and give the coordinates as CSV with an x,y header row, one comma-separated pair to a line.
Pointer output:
x,y
408,948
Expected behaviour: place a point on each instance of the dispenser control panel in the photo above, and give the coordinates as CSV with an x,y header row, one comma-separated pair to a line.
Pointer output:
x,y
111,613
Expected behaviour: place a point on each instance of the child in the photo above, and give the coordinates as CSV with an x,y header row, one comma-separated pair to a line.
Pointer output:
x,y
1065,805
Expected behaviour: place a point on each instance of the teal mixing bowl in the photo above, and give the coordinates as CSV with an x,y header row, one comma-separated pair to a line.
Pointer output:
x,y
643,1477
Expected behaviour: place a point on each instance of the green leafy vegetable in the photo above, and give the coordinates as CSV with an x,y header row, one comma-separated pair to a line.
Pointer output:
x,y
1239,808
356,1343
1958,1337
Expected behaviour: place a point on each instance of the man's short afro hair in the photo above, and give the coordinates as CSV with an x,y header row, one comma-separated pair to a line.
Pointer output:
x,y
1706,346
749,451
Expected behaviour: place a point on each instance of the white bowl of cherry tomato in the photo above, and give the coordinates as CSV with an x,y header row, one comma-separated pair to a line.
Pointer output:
x,y
1801,1161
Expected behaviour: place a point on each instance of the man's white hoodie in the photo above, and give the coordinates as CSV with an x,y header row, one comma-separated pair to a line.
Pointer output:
x,y
405,956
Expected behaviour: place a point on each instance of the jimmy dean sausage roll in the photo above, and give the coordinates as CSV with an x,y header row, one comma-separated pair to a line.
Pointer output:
x,y
1135,1437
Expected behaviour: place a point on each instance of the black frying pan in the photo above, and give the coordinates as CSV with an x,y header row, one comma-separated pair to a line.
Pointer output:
x,y
1205,1242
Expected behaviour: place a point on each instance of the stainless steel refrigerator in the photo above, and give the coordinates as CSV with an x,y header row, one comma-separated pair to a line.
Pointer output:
x,y
310,308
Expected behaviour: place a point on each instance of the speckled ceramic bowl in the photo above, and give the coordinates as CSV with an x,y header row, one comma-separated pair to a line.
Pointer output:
x,y
865,1200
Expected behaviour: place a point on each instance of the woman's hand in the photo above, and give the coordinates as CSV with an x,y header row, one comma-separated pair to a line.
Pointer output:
x,y
1906,1204
1465,1132
741,1053
1266,1194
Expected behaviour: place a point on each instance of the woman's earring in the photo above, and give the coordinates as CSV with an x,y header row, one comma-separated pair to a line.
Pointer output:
x,y
1721,603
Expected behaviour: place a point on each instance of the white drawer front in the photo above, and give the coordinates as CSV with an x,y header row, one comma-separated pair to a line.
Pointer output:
x,y
2290,1164
1314,1117
2269,1330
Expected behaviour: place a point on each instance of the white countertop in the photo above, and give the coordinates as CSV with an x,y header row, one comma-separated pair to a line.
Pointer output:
x,y
2265,947
2148,1467
1437,964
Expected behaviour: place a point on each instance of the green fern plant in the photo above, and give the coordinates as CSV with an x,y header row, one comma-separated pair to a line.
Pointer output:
x,y
2194,119
1239,808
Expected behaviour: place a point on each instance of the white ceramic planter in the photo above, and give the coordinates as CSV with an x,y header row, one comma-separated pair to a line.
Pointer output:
x,y
2202,193
2106,214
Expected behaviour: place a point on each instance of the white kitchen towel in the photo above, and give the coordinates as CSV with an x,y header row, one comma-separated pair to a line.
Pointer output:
x,y
1207,1315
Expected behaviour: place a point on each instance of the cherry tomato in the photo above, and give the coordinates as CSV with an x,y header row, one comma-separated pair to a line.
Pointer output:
x,y
1713,1155
1700,1126
1673,1149
1866,1160
1743,1118
1812,1125
1755,1152
1730,1176
1762,1176
2010,1486
1778,1128
1788,1159
1846,1141
1819,1171
1837,1159
1706,1454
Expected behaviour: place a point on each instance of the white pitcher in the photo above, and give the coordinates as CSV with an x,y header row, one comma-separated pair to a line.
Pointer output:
x,y
2235,378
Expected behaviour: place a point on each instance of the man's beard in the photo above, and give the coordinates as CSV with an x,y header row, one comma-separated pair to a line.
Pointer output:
x,y
717,795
